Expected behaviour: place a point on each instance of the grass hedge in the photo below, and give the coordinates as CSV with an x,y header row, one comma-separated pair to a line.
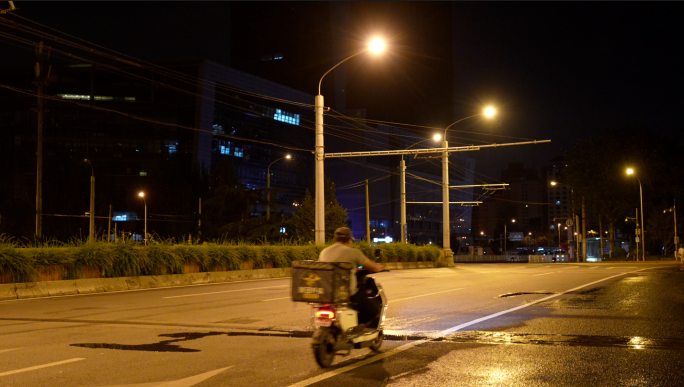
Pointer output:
x,y
22,264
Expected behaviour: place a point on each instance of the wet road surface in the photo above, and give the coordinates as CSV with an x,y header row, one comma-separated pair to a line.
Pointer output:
x,y
601,324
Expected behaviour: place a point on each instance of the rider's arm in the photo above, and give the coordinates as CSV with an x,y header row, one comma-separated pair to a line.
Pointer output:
x,y
372,266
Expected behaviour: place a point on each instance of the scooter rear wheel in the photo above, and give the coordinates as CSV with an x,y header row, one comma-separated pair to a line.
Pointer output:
x,y
377,343
324,351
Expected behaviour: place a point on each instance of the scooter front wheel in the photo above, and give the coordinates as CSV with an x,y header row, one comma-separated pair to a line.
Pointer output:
x,y
324,348
377,343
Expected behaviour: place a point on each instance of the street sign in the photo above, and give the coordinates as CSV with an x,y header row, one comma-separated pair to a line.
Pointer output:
x,y
636,239
516,236
569,223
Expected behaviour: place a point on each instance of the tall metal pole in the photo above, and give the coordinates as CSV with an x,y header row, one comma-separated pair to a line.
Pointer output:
x,y
92,208
319,231
199,221
676,238
39,139
145,201
109,224
268,192
643,230
584,230
368,233
638,233
504,239
446,223
402,167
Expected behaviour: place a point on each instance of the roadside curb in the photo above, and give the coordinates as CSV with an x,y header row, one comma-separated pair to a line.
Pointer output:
x,y
106,285
8,291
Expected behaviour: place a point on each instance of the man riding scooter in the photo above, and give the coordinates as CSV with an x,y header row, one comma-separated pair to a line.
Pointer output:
x,y
341,251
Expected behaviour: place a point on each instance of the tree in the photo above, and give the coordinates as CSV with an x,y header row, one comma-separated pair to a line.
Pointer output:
x,y
335,216
229,201
596,171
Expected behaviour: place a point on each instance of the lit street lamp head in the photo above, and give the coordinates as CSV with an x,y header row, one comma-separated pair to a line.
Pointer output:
x,y
553,183
376,45
288,157
437,137
141,194
630,171
489,112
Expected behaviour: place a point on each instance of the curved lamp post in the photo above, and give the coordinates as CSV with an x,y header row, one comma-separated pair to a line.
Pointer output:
x,y
142,195
402,167
268,186
375,46
446,223
630,171
91,235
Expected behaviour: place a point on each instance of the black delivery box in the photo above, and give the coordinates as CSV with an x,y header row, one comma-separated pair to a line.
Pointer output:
x,y
321,282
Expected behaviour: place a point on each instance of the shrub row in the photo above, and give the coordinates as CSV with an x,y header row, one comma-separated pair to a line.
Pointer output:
x,y
124,260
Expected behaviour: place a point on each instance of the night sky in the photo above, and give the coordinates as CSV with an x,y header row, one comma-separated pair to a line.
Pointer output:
x,y
558,71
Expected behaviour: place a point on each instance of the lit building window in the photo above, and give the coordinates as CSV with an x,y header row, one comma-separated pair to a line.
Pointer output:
x,y
283,230
289,118
143,173
171,148
74,96
238,152
558,202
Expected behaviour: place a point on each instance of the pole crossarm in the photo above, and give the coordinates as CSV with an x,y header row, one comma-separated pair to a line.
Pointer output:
x,y
430,150
502,185
461,203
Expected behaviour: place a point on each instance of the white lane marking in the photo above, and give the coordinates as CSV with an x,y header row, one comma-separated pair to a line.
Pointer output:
x,y
536,275
427,294
274,299
595,267
491,316
41,366
350,367
404,347
7,350
187,382
144,290
227,291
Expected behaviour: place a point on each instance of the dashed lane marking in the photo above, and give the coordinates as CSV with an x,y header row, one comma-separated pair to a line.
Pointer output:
x,y
7,350
41,366
227,291
427,294
275,299
537,275
187,382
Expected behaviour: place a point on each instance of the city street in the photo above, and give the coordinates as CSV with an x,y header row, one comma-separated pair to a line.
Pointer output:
x,y
603,324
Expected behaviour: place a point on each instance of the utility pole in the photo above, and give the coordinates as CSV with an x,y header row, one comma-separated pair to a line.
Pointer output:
x,y
584,230
368,233
402,167
199,222
446,222
109,224
40,83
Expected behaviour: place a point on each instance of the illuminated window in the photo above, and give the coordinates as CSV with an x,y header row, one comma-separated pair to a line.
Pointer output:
x,y
171,148
283,230
289,118
74,96
143,173
238,152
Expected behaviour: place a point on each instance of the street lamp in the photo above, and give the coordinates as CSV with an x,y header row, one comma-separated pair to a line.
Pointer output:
x,y
559,238
268,186
375,46
402,168
676,238
142,195
630,171
446,222
91,235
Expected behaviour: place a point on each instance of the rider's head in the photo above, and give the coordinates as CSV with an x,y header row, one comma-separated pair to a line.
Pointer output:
x,y
343,235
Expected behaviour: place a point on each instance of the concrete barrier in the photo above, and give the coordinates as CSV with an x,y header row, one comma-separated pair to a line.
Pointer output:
x,y
8,292
103,285
32,290
61,288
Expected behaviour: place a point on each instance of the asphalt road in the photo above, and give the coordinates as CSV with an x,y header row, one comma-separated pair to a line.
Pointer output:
x,y
605,324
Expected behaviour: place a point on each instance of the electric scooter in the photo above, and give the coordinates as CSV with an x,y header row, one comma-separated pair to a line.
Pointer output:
x,y
337,327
